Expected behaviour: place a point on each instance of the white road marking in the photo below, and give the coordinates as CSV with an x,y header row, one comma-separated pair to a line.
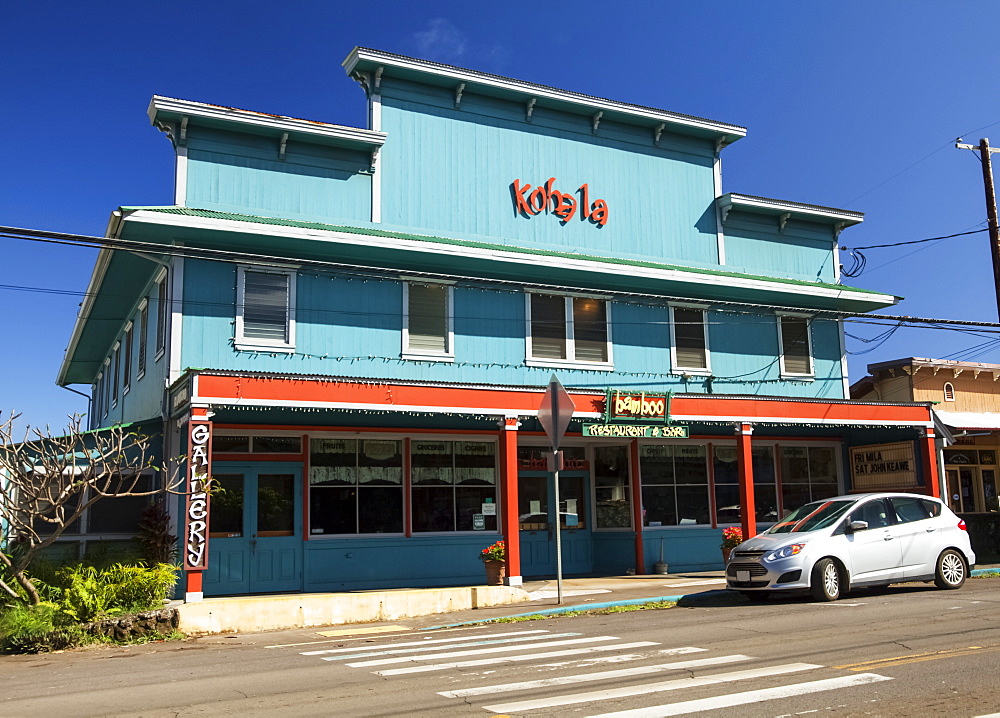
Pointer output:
x,y
741,699
545,593
696,583
359,652
589,677
484,636
478,651
627,691
840,603
623,658
513,659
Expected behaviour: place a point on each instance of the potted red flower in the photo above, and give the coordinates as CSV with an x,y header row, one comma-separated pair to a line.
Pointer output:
x,y
731,538
495,559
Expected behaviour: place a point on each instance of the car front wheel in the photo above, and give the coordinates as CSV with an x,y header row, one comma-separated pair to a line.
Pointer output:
x,y
950,572
825,584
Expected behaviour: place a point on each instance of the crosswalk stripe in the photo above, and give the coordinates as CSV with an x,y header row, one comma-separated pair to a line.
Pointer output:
x,y
478,651
360,653
620,658
740,699
430,641
512,659
590,677
662,686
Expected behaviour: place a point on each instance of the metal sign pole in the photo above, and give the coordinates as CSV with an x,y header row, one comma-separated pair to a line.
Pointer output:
x,y
554,414
557,461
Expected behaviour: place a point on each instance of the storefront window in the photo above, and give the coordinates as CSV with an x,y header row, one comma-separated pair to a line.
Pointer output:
x,y
454,485
808,473
727,484
613,507
355,486
674,485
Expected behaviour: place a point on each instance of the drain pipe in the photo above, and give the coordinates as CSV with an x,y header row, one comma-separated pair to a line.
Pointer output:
x,y
89,399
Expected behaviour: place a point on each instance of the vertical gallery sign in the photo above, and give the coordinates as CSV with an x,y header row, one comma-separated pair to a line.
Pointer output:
x,y
197,501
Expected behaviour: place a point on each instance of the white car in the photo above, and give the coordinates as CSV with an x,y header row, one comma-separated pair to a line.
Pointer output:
x,y
828,547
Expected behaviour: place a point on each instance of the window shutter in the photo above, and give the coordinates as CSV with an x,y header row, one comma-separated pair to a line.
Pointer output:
x,y
265,306
548,326
795,345
689,338
428,318
590,329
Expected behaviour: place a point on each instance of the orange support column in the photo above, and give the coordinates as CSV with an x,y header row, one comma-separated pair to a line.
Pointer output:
x,y
509,524
640,554
928,455
744,458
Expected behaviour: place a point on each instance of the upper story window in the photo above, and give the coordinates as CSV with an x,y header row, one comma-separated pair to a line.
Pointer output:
x,y
795,346
106,388
116,369
568,330
265,310
161,314
427,321
949,391
127,361
689,342
140,368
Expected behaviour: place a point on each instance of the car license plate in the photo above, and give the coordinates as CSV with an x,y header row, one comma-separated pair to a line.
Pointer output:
x,y
742,575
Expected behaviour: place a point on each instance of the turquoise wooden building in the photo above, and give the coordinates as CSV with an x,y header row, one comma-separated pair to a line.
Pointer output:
x,y
350,330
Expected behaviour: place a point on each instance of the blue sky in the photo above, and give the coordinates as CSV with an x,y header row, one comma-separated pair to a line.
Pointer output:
x,y
851,104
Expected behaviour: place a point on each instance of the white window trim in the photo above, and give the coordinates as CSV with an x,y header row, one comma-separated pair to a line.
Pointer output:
x,y
570,362
140,370
677,368
159,351
128,340
809,376
257,344
949,391
424,355
115,369
106,389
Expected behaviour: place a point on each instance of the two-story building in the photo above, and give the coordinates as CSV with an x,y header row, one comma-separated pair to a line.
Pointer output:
x,y
351,331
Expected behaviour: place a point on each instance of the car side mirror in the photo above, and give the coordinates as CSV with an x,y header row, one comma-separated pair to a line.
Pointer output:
x,y
856,526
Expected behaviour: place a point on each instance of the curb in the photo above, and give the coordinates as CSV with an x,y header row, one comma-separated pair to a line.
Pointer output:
x,y
569,609
985,571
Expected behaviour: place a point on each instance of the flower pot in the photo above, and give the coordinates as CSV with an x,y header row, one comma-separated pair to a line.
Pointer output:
x,y
725,555
496,572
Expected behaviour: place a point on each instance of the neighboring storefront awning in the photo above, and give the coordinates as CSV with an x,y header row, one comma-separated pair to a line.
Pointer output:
x,y
985,420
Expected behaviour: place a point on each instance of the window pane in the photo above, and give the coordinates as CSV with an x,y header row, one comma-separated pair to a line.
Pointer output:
x,y
333,462
121,514
265,306
277,444
276,504
380,510
226,516
469,501
127,373
590,329
475,463
532,502
726,465
548,326
658,506
908,510
690,466
727,503
692,505
572,508
431,462
332,510
428,317
433,508
143,331
763,465
794,495
161,314
380,462
822,465
656,464
689,335
795,345
611,478
222,444
765,502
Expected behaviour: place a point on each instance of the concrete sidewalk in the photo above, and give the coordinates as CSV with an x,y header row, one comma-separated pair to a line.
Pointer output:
x,y
468,604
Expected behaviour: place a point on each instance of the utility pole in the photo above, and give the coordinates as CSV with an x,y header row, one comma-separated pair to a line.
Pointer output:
x,y
991,206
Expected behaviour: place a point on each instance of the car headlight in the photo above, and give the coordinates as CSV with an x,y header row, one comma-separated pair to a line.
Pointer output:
x,y
785,552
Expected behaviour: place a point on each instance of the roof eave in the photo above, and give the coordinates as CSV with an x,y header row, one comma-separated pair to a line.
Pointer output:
x,y
809,212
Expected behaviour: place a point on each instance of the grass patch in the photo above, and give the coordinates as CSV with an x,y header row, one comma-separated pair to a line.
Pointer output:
x,y
652,606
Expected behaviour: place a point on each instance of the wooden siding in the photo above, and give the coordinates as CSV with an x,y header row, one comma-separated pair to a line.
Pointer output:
x,y
971,394
803,250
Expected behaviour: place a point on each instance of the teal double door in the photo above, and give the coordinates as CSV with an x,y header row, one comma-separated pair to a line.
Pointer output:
x,y
255,529
539,517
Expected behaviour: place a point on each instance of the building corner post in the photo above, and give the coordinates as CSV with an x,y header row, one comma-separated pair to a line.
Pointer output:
x,y
744,457
640,554
928,457
510,525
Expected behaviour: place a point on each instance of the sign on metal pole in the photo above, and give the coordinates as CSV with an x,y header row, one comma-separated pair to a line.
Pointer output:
x,y
555,412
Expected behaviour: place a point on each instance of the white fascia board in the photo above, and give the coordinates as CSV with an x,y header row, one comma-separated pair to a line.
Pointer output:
x,y
498,255
96,278
801,211
279,123
793,420
459,75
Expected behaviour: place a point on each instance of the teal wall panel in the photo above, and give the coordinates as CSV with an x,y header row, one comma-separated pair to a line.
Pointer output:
x,y
450,170
684,549
803,250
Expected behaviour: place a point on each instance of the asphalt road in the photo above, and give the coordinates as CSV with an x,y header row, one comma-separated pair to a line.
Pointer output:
x,y
904,651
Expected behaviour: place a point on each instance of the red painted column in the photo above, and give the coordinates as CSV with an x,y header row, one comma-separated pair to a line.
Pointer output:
x,y
196,504
744,458
636,484
928,454
509,524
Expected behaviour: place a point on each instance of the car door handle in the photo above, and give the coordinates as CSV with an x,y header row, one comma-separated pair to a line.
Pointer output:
x,y
930,529
888,538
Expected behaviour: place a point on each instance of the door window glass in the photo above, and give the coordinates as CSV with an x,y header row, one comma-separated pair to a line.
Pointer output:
x,y
611,481
275,505
533,503
225,520
908,509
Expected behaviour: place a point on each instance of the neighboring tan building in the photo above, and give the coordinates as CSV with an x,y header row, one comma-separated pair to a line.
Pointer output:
x,y
967,398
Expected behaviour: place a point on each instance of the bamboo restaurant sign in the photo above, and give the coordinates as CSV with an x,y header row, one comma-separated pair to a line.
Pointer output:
x,y
196,507
563,205
628,409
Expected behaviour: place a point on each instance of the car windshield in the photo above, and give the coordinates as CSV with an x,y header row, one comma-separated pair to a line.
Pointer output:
x,y
811,517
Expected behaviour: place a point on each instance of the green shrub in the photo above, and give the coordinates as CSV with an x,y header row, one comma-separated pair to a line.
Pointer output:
x,y
90,594
31,629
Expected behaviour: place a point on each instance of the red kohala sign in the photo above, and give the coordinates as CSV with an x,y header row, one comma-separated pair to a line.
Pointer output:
x,y
544,198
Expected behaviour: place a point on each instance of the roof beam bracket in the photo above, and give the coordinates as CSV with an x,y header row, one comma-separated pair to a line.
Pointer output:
x,y
783,220
597,120
282,144
838,228
182,136
458,94
530,108
657,131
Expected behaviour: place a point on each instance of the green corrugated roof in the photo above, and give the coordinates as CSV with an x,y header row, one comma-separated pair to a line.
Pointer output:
x,y
371,231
